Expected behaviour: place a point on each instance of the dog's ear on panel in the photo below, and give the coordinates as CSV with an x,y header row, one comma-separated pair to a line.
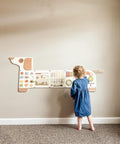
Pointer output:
x,y
28,64
11,58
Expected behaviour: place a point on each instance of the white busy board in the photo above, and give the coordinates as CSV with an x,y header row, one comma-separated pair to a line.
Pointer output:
x,y
28,78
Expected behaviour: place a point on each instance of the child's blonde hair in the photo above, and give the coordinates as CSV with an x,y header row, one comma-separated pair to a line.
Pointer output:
x,y
79,71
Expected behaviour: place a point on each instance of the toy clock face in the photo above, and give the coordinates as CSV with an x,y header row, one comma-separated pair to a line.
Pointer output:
x,y
92,80
68,82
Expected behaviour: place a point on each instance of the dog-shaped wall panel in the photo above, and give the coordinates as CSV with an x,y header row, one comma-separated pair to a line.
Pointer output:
x,y
28,78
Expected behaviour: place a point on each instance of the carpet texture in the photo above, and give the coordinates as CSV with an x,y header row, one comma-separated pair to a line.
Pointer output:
x,y
59,134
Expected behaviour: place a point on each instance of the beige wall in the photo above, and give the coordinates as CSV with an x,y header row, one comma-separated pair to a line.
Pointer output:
x,y
59,34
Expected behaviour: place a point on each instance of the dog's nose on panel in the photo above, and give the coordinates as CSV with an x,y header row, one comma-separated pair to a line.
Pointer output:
x,y
11,58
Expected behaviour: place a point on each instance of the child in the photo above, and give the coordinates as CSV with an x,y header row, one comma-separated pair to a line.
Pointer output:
x,y
80,93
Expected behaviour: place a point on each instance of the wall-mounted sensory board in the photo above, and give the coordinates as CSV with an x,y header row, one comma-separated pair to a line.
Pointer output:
x,y
28,78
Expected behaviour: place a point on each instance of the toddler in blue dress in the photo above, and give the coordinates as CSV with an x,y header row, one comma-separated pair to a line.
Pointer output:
x,y
81,97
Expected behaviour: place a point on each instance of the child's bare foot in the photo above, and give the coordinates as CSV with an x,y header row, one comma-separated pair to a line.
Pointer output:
x,y
92,128
79,128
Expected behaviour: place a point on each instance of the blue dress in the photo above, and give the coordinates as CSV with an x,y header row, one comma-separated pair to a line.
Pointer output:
x,y
79,91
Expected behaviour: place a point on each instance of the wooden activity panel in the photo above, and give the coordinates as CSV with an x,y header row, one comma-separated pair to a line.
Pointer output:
x,y
28,78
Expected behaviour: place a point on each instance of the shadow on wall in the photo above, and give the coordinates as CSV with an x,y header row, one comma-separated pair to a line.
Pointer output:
x,y
59,104
44,24
66,104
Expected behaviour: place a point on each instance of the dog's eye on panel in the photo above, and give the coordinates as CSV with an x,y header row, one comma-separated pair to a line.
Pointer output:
x,y
20,60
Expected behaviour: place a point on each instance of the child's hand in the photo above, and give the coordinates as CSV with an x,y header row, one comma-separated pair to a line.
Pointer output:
x,y
73,98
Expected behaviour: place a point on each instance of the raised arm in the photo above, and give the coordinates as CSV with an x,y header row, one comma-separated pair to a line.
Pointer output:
x,y
73,89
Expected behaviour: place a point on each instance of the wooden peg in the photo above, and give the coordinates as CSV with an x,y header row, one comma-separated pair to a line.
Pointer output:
x,y
98,71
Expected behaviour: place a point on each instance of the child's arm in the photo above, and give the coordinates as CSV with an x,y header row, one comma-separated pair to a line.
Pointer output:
x,y
73,90
87,79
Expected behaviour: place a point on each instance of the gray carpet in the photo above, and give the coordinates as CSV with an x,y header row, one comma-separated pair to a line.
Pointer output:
x,y
59,134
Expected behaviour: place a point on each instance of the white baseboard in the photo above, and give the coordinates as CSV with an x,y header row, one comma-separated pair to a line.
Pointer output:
x,y
31,121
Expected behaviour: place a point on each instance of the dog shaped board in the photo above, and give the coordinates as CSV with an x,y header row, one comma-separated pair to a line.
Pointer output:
x,y
28,78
